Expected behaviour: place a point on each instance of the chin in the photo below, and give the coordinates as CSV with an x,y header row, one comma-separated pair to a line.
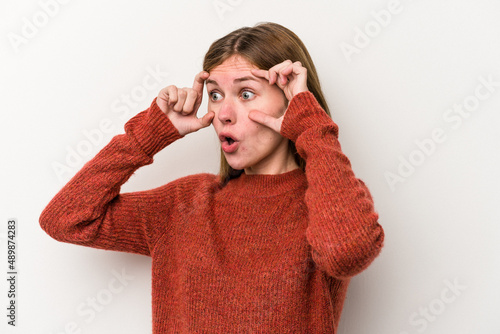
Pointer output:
x,y
236,165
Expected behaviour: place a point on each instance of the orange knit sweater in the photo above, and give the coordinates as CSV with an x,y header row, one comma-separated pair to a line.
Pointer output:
x,y
262,254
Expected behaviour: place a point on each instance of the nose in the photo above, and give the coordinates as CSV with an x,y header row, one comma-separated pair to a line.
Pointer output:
x,y
227,112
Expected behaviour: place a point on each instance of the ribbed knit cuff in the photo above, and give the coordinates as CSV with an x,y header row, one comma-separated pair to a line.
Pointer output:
x,y
303,112
152,130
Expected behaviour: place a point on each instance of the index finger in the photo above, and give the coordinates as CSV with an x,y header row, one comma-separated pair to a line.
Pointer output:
x,y
260,73
199,81
269,75
265,119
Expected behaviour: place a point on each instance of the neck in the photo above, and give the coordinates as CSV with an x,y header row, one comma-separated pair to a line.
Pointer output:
x,y
265,185
273,170
280,163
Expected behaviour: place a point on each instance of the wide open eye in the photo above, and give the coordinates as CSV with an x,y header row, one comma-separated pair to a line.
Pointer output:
x,y
214,96
247,95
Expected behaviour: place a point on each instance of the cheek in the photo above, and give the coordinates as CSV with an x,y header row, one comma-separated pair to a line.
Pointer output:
x,y
276,102
263,137
212,107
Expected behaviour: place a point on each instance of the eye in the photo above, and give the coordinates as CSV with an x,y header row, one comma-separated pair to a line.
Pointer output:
x,y
247,95
214,96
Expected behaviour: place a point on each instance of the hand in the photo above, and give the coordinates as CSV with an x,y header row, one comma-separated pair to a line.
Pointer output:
x,y
291,78
181,105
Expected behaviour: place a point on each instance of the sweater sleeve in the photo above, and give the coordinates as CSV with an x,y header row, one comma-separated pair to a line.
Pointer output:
x,y
343,228
89,210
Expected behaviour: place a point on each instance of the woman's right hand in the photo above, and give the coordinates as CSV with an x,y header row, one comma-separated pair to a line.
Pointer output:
x,y
181,105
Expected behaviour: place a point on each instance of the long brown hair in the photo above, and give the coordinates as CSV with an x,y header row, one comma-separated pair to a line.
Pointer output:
x,y
265,45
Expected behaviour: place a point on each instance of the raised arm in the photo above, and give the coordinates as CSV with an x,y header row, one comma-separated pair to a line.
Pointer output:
x,y
343,225
343,228
89,210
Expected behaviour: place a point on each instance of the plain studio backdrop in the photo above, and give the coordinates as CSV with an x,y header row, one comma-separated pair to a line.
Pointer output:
x,y
413,85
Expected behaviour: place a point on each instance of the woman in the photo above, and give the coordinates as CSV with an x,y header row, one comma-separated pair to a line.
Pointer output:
x,y
269,244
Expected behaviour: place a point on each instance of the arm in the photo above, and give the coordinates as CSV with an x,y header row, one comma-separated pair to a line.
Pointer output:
x,y
343,230
343,226
89,210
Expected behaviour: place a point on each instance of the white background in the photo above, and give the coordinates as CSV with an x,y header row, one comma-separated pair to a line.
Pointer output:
x,y
71,72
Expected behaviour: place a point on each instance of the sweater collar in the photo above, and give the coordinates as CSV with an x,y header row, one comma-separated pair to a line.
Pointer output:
x,y
265,185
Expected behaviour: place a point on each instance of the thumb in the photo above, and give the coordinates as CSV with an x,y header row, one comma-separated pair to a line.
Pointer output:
x,y
205,121
265,119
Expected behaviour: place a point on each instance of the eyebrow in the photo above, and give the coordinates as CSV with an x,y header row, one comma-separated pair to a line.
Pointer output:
x,y
237,80
245,79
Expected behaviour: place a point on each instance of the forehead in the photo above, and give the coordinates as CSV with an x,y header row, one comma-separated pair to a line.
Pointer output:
x,y
234,66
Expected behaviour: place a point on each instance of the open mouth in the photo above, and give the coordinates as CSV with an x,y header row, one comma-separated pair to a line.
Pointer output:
x,y
228,143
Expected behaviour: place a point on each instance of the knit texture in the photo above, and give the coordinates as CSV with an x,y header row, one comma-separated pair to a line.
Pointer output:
x,y
261,254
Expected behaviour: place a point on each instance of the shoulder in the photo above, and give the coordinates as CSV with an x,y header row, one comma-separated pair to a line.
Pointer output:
x,y
197,182
190,186
196,185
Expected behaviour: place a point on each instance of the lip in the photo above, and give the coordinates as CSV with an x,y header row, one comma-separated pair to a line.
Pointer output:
x,y
226,147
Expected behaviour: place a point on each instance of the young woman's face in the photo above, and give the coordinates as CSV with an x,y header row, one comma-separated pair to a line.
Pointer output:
x,y
233,91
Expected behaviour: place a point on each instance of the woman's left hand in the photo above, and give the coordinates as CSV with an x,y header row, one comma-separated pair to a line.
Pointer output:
x,y
291,78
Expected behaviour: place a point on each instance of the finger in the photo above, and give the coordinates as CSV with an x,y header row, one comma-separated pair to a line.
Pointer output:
x,y
190,102
163,94
284,73
290,70
162,100
273,77
265,119
207,119
276,72
261,73
199,81
203,122
198,84
265,74
171,96
298,68
181,98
